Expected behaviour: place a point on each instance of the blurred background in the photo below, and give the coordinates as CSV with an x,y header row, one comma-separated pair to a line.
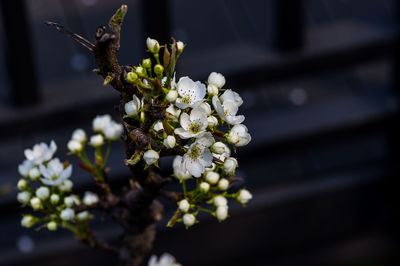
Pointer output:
x,y
320,82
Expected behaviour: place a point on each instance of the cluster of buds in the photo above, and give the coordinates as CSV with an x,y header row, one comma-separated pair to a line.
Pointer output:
x,y
45,187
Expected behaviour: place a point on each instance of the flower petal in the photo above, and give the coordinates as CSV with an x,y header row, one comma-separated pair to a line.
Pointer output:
x,y
234,120
185,121
183,133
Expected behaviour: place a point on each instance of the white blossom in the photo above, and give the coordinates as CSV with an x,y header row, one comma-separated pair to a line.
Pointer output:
x,y
69,201
113,130
54,199
35,203
22,184
27,221
67,214
158,126
198,155
212,177
152,45
90,198
151,156
179,171
96,140
34,173
74,146
244,196
23,169
223,184
191,94
184,205
54,173
52,226
165,260
23,197
225,154
169,142
180,46
41,152
230,95
79,135
188,219
83,215
218,147
220,201
133,107
204,187
230,165
100,121
42,193
222,213
171,96
216,79
66,185
193,125
239,135
212,90
212,121
227,111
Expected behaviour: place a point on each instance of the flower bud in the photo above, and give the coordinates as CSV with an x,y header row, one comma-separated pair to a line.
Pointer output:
x,y
233,138
79,135
131,108
69,201
131,77
42,193
206,107
67,214
169,142
222,213
141,72
146,63
204,187
54,199
100,122
96,140
220,201
158,126
34,173
212,177
52,226
82,216
66,185
180,46
22,184
184,205
223,184
171,96
90,198
230,165
152,45
212,121
244,196
23,197
159,70
74,146
189,219
36,203
212,90
113,130
150,157
216,79
28,221
218,147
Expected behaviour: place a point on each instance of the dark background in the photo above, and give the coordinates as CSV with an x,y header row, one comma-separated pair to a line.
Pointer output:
x,y
320,82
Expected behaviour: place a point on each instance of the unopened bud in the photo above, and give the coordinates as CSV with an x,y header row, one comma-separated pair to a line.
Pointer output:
x,y
141,72
131,77
159,70
146,63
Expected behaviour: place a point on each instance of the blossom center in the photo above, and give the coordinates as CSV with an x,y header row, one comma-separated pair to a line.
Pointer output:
x,y
186,99
194,128
194,152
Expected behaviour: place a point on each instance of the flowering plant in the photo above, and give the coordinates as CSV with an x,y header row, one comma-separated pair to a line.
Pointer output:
x,y
160,116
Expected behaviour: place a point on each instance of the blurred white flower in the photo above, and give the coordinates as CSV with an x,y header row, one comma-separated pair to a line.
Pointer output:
x,y
193,125
54,173
244,196
184,205
180,46
204,187
239,135
54,199
23,169
34,173
169,142
41,152
66,185
220,201
79,135
165,260
90,198
27,221
191,94
222,213
212,177
42,193
179,171
216,79
23,197
83,215
96,140
74,146
22,184
188,219
151,156
35,203
100,121
67,214
113,130
223,184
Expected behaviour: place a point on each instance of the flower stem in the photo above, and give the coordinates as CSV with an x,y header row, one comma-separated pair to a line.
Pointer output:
x,y
184,188
107,152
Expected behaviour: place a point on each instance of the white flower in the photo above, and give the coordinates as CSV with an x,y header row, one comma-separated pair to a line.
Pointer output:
x,y
52,226
67,214
165,260
74,146
244,196
152,45
34,173
227,111
24,197
230,95
220,201
189,219
133,107
69,201
96,140
170,142
206,107
158,126
42,193
191,93
212,90
175,112
199,156
22,184
151,156
204,187
83,215
54,173
41,152
27,221
223,184
54,199
180,46
66,185
184,205
212,177
193,125
230,165
222,213
79,135
23,169
218,147
239,135
216,79
36,203
90,198
112,130
225,154
171,96
179,171
100,121
212,121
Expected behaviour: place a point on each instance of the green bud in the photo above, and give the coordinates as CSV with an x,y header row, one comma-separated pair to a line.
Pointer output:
x,y
141,72
131,77
22,184
159,70
146,63
52,226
